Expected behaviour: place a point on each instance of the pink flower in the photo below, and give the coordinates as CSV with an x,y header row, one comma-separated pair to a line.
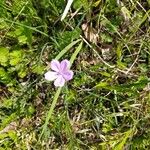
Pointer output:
x,y
61,72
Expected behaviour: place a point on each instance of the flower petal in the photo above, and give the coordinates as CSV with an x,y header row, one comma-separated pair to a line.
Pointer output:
x,y
60,81
68,75
55,65
64,65
50,75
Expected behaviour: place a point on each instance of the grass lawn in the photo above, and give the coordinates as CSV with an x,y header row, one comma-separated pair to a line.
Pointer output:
x,y
99,98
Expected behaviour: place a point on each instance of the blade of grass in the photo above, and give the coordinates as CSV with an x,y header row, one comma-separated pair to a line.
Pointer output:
x,y
123,87
145,17
66,9
22,9
74,55
49,114
31,28
54,8
66,49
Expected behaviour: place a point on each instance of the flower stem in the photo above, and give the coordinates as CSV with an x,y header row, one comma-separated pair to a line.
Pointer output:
x,y
49,114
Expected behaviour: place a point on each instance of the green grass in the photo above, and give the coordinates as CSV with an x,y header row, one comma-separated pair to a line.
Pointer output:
x,y
106,105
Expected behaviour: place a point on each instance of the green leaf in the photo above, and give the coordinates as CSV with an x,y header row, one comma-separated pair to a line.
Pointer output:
x,y
102,84
18,5
4,76
7,103
31,110
68,36
2,72
22,39
4,135
38,69
81,3
13,135
95,4
19,31
106,74
106,38
8,119
16,57
22,73
119,51
122,142
4,55
3,24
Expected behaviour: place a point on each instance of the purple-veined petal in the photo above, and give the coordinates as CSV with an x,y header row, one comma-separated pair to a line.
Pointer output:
x,y
60,81
64,65
50,75
68,75
55,65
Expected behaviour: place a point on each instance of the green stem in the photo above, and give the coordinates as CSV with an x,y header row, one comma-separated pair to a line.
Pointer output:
x,y
51,110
